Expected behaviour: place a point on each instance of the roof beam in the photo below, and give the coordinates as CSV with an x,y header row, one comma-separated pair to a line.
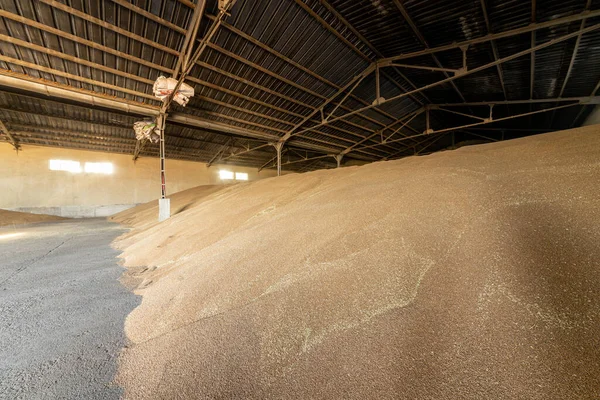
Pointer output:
x,y
89,43
585,99
56,72
248,150
494,47
54,53
363,39
221,151
572,60
10,138
190,39
471,71
409,117
19,129
289,134
57,90
184,65
495,36
28,83
532,63
295,64
77,60
348,43
424,43
149,15
287,81
596,88
104,24
490,121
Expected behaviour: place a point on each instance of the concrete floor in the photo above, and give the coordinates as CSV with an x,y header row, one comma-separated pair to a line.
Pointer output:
x,y
62,310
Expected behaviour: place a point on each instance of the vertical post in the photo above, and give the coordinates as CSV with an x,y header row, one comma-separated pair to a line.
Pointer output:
x,y
164,204
338,159
278,146
163,179
377,85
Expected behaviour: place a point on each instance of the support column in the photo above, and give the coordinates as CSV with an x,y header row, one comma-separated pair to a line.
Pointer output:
x,y
338,159
164,204
278,146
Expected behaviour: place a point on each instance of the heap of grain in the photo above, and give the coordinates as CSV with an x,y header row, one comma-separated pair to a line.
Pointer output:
x,y
469,273
18,218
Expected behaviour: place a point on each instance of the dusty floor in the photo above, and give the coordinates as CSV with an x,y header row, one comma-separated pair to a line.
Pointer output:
x,y
62,310
465,274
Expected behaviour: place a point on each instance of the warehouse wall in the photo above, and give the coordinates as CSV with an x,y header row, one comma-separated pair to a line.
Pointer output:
x,y
28,184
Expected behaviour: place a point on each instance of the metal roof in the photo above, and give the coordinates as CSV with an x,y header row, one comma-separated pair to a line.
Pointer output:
x,y
79,73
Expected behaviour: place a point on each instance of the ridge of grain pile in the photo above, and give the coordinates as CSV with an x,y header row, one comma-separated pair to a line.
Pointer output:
x,y
18,218
464,274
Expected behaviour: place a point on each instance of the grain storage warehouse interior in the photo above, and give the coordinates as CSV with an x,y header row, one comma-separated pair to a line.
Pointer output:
x,y
299,199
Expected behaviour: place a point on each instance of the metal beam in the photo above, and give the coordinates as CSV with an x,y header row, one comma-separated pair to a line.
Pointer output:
x,y
149,15
28,83
494,47
75,77
104,24
289,134
424,43
183,68
10,138
596,88
190,38
328,27
411,116
293,63
532,63
495,36
478,123
469,72
298,86
572,60
586,99
262,146
220,152
363,39
77,60
76,39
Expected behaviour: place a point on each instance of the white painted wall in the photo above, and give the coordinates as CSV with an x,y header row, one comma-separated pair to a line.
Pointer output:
x,y
27,183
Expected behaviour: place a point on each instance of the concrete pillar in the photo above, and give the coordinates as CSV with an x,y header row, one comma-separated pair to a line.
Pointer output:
x,y
164,209
338,159
278,146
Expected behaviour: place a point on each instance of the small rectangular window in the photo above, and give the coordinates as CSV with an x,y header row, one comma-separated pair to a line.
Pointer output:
x,y
241,176
98,168
225,175
65,165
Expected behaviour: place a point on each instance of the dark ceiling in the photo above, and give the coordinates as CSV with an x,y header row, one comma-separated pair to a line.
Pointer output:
x,y
79,73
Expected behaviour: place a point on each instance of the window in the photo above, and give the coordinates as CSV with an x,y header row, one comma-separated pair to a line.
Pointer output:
x,y
241,176
229,175
65,165
98,167
75,167
224,175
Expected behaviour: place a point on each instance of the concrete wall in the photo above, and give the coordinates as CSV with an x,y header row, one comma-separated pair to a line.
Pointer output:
x,y
27,183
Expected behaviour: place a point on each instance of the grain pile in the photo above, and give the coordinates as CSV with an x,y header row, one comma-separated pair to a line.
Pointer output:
x,y
18,218
465,274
